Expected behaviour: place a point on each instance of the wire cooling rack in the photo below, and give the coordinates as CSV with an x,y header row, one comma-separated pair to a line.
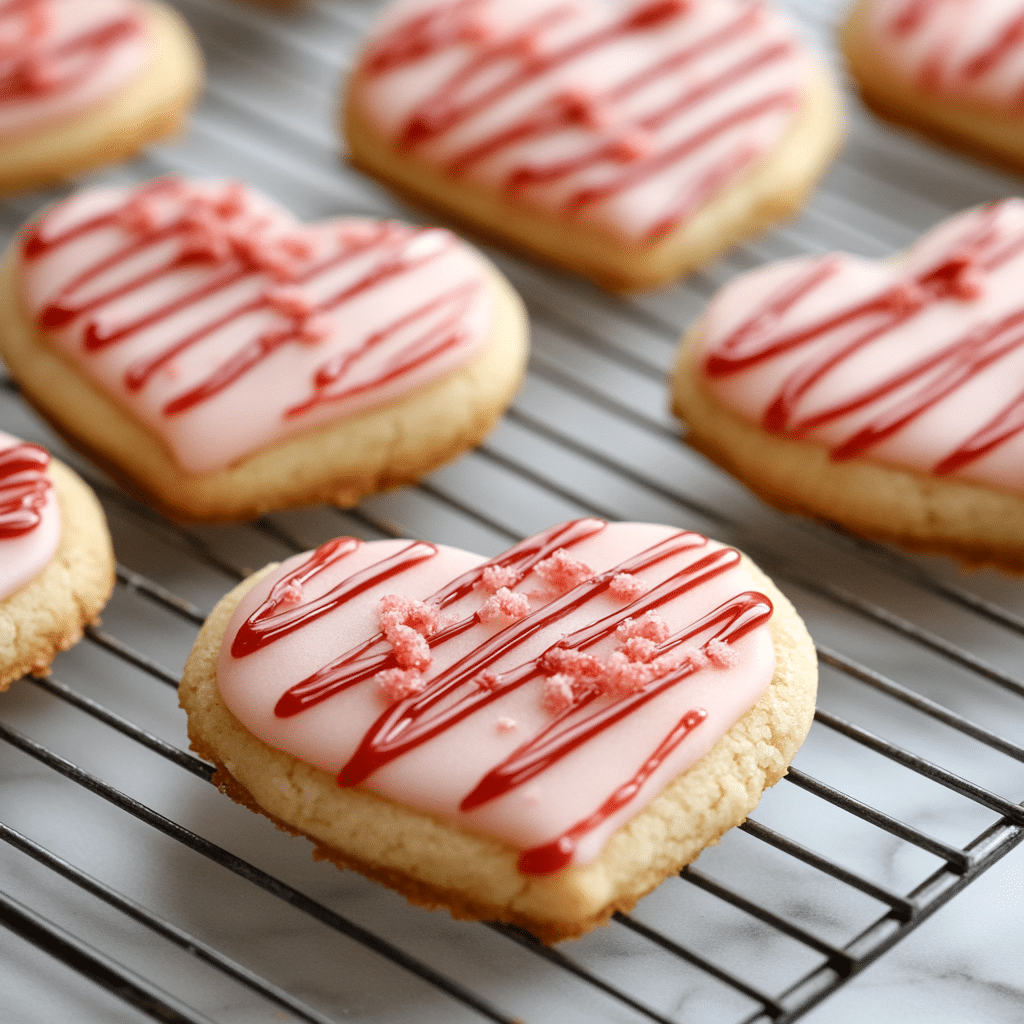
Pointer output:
x,y
151,896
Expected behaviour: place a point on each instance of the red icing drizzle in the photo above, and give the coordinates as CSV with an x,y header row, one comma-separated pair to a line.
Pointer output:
x,y
211,231
351,668
33,66
507,64
453,695
958,273
24,488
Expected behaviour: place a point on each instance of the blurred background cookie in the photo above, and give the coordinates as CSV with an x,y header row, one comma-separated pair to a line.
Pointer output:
x,y
56,560
222,359
629,142
88,82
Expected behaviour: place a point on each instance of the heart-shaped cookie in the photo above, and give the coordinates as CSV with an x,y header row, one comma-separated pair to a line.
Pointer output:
x,y
224,359
540,738
953,69
88,83
629,141
888,397
56,561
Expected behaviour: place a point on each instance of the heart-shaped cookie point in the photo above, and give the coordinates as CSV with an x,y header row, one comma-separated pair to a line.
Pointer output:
x,y
206,316
56,560
629,141
87,83
886,396
529,721
952,70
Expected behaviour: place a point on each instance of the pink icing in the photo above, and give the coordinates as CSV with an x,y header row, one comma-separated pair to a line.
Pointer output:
x,y
29,534
439,748
60,57
965,49
628,116
224,326
917,364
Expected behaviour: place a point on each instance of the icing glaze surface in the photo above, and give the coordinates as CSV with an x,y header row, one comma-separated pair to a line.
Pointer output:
x,y
60,57
29,514
965,49
546,729
628,116
918,364
224,326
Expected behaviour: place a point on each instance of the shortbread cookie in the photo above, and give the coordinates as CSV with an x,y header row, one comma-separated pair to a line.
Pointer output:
x,y
631,142
540,738
222,359
887,397
56,562
88,82
951,69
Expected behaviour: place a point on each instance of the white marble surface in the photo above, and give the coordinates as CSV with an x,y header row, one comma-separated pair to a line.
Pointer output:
x,y
268,117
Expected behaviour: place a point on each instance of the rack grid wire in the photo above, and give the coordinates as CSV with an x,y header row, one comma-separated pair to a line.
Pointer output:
x,y
155,898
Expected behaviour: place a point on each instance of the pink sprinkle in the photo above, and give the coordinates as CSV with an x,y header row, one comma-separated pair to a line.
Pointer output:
x,y
626,587
411,649
557,695
289,301
291,595
232,200
314,329
639,648
677,658
722,655
582,107
650,625
561,572
141,214
504,606
396,684
495,577
506,725
905,297
623,677
477,30
399,610
172,369
301,247
968,285
487,681
204,242
357,232
631,145
575,664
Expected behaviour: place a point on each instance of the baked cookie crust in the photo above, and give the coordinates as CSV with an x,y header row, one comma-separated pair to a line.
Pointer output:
x,y
391,445
150,107
967,127
977,525
771,190
435,864
49,612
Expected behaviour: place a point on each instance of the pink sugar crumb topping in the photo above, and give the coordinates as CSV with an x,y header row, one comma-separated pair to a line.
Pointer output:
x,y
575,664
650,626
631,145
291,595
399,610
289,301
557,695
582,107
722,655
626,587
623,677
561,572
141,214
487,681
411,649
396,684
494,577
506,725
504,606
639,648
315,329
